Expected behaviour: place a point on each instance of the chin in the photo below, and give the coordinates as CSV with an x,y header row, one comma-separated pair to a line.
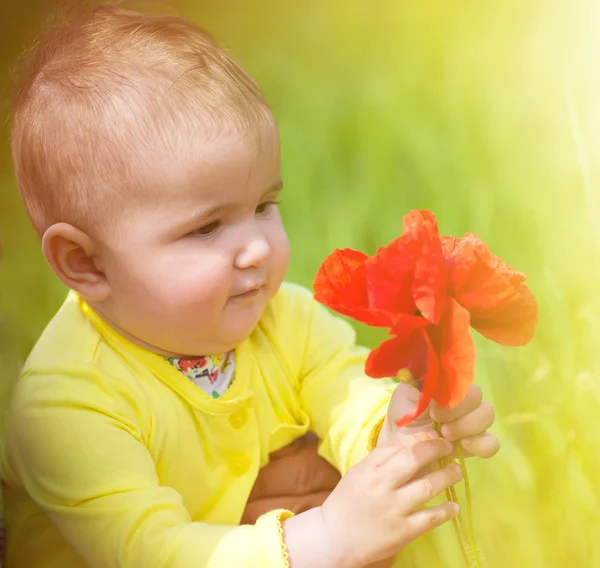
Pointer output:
x,y
241,333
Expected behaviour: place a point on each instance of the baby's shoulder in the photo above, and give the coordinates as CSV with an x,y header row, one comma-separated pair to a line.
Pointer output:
x,y
69,337
71,360
293,303
284,326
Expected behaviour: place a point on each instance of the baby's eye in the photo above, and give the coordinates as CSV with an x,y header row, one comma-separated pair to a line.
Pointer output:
x,y
264,207
205,230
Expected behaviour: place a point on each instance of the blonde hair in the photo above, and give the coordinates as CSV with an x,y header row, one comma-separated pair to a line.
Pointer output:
x,y
101,89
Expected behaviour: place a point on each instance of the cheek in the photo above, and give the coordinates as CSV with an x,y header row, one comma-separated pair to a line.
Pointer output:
x,y
284,260
280,247
283,254
179,279
130,279
197,278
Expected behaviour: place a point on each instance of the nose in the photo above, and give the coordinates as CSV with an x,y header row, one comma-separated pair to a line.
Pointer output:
x,y
254,253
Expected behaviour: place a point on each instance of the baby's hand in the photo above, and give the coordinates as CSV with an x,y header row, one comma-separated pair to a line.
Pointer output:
x,y
376,509
467,423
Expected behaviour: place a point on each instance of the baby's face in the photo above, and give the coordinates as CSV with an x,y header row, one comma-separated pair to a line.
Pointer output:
x,y
196,263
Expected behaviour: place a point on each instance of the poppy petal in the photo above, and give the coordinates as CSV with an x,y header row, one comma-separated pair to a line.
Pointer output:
x,y
341,285
418,218
405,324
449,245
402,352
502,306
430,287
456,352
429,385
390,275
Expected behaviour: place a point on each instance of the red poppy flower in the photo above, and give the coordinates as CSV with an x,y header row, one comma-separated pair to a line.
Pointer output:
x,y
428,290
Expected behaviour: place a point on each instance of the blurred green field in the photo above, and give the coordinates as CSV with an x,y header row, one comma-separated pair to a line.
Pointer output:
x,y
488,114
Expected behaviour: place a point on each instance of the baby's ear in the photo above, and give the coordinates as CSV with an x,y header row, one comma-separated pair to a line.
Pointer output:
x,y
72,255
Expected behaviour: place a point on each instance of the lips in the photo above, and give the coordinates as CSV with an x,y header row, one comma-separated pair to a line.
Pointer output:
x,y
249,292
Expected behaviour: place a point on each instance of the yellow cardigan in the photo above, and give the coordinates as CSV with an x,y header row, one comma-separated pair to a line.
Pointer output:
x,y
113,458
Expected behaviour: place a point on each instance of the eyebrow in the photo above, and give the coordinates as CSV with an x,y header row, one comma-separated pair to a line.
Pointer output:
x,y
275,188
200,215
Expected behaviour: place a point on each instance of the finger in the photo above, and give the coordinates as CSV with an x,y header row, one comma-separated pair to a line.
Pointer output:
x,y
404,399
420,437
401,440
386,563
419,492
406,393
425,520
402,466
297,474
444,415
472,424
409,439
484,446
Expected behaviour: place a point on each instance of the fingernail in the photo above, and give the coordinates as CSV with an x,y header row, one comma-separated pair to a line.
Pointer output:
x,y
457,469
421,436
455,508
433,434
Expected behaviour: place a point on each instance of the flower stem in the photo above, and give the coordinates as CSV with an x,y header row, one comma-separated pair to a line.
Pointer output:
x,y
451,496
471,531
455,524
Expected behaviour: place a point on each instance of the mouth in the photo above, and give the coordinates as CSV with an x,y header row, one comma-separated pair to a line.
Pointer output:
x,y
251,293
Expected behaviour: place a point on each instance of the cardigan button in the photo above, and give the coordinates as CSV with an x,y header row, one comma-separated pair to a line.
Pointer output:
x,y
239,464
239,418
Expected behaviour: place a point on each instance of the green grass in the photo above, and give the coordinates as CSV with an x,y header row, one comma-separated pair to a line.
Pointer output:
x,y
462,108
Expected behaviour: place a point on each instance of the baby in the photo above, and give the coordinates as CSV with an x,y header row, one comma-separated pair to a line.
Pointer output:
x,y
148,162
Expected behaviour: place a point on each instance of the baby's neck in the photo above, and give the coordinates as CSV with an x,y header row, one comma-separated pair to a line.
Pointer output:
x,y
135,340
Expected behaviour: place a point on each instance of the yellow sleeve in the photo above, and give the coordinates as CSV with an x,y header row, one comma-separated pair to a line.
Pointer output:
x,y
86,465
345,407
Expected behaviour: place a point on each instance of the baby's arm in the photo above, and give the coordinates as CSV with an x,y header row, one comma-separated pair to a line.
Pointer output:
x,y
85,463
375,511
87,467
344,406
